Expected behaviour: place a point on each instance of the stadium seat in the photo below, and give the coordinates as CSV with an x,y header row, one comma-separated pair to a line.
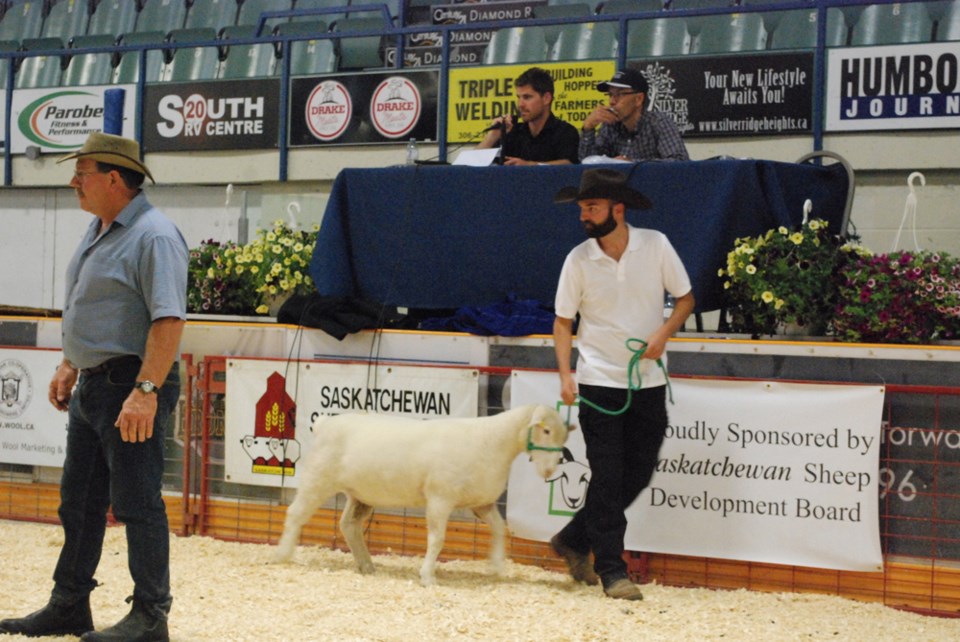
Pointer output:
x,y
89,68
516,44
657,37
317,5
309,57
629,6
948,21
40,71
724,33
6,46
798,30
586,41
113,17
245,61
362,52
192,62
21,21
127,69
161,15
211,14
548,11
66,19
250,12
888,24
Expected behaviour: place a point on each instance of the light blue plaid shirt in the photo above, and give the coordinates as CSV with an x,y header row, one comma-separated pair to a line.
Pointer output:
x,y
657,137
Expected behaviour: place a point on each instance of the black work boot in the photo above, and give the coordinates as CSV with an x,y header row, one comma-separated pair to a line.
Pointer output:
x,y
53,619
139,625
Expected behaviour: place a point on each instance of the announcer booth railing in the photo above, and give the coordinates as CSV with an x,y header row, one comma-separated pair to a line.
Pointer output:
x,y
918,515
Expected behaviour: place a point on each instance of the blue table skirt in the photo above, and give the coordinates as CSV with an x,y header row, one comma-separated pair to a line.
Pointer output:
x,y
445,237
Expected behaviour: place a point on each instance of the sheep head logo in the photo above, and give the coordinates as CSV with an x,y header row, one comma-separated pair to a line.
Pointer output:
x,y
568,486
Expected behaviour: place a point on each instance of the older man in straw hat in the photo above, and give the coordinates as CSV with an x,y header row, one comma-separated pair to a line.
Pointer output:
x,y
123,316
616,281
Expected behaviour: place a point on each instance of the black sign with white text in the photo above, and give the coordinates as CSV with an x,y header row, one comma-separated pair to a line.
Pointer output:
x,y
212,115
743,95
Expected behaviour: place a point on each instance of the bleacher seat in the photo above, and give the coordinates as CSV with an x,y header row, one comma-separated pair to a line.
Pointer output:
x,y
586,41
66,19
516,44
798,29
629,6
193,62
948,21
363,52
112,17
657,37
161,15
548,11
21,21
731,32
6,46
317,5
309,57
245,61
40,71
888,24
701,4
127,69
211,14
89,68
250,12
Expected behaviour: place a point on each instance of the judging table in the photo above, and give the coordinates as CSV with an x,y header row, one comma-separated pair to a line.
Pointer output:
x,y
439,237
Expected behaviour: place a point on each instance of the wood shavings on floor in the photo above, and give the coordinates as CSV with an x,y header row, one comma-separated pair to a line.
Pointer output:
x,y
230,592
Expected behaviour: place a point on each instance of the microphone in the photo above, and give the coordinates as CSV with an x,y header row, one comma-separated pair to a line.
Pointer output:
x,y
501,125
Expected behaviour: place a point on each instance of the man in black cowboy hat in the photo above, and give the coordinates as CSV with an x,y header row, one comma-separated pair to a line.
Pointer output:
x,y
123,315
628,129
615,281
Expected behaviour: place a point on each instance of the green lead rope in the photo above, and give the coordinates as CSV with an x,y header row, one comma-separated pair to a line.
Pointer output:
x,y
633,379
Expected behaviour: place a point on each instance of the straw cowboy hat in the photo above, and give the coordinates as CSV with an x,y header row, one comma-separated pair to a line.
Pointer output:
x,y
114,150
604,183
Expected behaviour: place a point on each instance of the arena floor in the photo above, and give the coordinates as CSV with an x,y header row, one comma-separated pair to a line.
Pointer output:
x,y
226,591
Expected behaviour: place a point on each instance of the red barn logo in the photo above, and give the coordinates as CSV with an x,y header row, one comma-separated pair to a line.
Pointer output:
x,y
273,448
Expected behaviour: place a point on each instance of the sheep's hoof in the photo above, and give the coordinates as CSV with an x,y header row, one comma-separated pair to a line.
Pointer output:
x,y
428,581
366,569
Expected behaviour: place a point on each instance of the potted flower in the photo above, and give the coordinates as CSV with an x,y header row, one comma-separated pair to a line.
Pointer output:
x,y
785,278
901,297
255,278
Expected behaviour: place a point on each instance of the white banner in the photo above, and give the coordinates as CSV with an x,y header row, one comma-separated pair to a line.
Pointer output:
x,y
271,405
762,471
57,119
32,432
893,87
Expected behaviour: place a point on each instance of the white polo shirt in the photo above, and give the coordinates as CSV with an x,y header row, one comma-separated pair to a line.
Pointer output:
x,y
619,300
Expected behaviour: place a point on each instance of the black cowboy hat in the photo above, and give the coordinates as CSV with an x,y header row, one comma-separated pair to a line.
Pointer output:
x,y
604,183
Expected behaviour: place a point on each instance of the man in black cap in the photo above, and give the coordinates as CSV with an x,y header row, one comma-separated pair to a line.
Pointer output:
x,y
615,281
628,130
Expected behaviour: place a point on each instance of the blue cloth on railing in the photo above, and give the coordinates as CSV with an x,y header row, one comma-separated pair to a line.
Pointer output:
x,y
429,237
511,318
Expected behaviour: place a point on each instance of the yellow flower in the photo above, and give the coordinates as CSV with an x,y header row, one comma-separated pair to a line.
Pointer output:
x,y
784,231
262,309
815,224
751,269
271,237
276,248
767,296
211,274
720,272
796,238
239,269
254,269
779,304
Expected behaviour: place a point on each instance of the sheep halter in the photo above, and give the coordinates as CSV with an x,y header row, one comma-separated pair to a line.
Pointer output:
x,y
532,446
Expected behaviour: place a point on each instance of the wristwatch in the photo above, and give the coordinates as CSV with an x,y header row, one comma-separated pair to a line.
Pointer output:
x,y
146,386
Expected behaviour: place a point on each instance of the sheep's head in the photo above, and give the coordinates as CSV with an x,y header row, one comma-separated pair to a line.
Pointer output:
x,y
546,435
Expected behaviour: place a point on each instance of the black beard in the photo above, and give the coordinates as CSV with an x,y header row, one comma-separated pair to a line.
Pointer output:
x,y
601,229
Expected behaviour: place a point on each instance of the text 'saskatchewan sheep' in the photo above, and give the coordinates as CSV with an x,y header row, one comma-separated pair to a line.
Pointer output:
x,y
381,461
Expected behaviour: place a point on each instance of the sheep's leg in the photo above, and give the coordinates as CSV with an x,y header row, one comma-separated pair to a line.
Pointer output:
x,y
351,525
438,512
491,516
311,494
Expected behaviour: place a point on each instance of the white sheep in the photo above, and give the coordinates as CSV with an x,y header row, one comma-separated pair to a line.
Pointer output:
x,y
381,461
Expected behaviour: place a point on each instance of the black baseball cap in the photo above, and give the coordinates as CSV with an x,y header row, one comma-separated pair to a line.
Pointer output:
x,y
625,79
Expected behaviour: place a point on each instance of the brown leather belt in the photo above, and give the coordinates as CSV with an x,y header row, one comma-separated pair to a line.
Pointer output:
x,y
109,365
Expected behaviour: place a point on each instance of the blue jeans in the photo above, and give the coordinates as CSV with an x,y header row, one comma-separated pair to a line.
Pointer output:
x,y
102,471
622,452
